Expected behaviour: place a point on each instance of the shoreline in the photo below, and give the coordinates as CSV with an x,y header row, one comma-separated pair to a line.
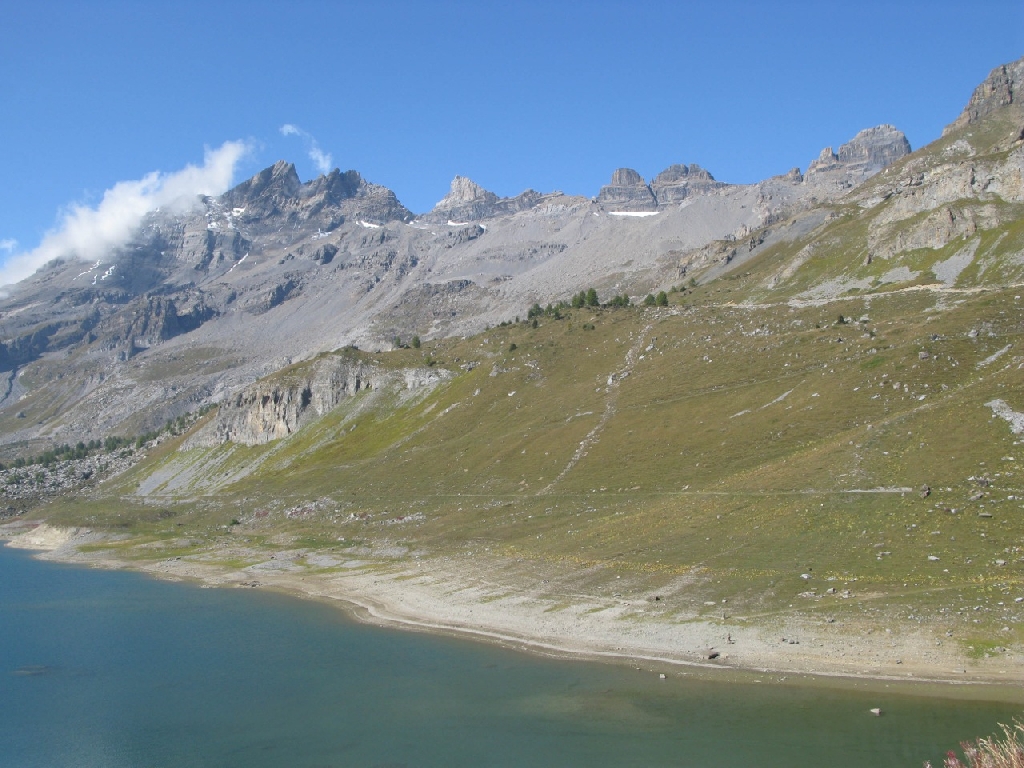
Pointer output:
x,y
408,597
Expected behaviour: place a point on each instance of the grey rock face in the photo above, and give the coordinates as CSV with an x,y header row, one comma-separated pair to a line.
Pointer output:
x,y
864,155
678,182
1003,86
325,202
627,192
272,409
467,201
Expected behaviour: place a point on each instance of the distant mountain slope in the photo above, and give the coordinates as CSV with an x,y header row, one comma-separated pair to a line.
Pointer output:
x,y
275,271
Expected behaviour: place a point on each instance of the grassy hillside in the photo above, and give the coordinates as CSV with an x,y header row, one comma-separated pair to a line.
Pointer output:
x,y
827,428
741,446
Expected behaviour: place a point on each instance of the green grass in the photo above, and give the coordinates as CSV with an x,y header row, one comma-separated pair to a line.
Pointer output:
x,y
693,470
749,444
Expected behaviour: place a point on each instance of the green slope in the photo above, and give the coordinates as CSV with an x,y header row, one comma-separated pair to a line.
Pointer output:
x,y
813,419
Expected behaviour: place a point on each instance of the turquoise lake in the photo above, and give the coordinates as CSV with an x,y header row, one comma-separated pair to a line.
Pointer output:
x,y
110,669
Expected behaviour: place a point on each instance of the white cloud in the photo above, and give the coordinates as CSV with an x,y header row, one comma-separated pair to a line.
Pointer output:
x,y
9,244
322,160
92,233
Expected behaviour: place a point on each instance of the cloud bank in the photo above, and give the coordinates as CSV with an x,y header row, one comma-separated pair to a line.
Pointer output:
x,y
91,233
322,160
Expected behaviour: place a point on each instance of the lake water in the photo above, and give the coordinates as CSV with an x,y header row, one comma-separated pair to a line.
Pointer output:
x,y
110,669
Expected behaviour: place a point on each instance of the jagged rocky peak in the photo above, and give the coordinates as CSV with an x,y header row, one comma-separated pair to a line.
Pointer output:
x,y
627,191
467,201
875,148
335,186
1004,86
678,182
325,202
280,179
464,190
352,194
864,155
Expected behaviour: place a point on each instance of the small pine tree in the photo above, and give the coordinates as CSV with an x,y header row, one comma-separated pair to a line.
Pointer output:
x,y
415,342
578,300
661,299
592,300
649,300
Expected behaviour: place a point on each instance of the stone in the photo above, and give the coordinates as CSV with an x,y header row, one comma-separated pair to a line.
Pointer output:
x,y
863,156
467,202
1000,89
679,182
627,192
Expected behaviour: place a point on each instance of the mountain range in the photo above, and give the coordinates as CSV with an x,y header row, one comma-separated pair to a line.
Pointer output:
x,y
794,448
275,271
202,303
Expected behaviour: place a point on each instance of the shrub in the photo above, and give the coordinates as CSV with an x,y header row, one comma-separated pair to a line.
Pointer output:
x,y
1007,752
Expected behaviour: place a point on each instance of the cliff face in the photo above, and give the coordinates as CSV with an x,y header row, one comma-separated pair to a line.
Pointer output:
x,y
1000,89
278,406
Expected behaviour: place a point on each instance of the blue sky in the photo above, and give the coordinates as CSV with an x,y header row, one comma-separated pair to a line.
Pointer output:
x,y
548,95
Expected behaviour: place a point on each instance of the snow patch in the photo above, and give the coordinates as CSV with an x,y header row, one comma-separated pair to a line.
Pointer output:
x,y
368,225
237,263
88,271
634,214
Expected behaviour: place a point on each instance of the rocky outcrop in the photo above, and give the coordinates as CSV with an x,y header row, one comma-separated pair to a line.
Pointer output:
x,y
627,192
352,196
201,247
467,201
324,203
863,156
1003,86
152,319
268,192
280,405
678,182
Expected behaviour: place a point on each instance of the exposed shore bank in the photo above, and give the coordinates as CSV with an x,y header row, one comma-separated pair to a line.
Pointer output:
x,y
490,600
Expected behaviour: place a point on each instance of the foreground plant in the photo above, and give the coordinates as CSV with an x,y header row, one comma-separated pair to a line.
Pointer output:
x,y
1007,752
